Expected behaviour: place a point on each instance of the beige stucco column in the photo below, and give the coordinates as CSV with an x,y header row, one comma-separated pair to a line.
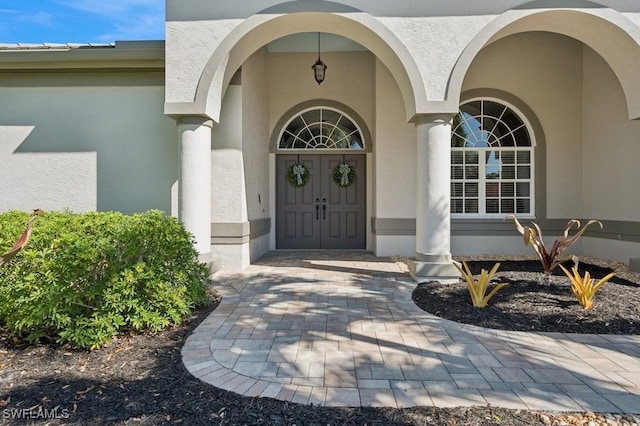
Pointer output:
x,y
433,183
195,179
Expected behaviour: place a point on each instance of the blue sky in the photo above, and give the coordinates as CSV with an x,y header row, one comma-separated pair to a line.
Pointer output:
x,y
80,21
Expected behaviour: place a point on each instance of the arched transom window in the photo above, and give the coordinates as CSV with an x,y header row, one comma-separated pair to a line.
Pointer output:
x,y
321,128
492,162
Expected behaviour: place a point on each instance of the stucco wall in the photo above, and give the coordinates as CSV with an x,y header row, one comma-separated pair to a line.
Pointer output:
x,y
395,165
255,145
227,180
499,245
349,80
395,152
90,144
621,251
610,145
610,156
430,36
228,194
240,165
544,71
255,134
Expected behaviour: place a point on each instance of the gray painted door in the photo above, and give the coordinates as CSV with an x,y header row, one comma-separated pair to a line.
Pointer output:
x,y
321,215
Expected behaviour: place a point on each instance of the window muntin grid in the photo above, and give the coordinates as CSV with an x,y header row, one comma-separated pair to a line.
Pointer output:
x,y
321,128
492,162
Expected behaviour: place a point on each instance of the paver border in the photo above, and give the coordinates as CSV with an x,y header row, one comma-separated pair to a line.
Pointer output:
x,y
525,370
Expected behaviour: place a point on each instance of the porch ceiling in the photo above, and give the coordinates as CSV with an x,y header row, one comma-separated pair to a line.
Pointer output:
x,y
308,43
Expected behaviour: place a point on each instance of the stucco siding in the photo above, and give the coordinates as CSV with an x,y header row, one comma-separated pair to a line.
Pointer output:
x,y
227,178
610,146
255,145
433,34
436,43
395,152
621,251
394,158
499,245
349,80
255,135
190,45
395,245
93,146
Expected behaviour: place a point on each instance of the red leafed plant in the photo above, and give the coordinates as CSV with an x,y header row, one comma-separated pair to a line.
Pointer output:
x,y
22,241
551,258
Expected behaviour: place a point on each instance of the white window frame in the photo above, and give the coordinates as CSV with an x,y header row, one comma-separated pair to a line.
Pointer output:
x,y
482,180
334,150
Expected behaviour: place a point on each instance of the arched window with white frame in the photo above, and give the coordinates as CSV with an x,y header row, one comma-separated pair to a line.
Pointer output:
x,y
492,161
321,128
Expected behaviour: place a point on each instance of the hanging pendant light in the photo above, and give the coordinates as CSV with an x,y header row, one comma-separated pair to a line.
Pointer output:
x,y
319,67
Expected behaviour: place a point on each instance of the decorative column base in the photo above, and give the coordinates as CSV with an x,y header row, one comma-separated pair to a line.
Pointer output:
x,y
427,268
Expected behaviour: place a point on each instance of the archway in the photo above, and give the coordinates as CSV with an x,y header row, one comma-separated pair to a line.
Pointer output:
x,y
263,28
598,28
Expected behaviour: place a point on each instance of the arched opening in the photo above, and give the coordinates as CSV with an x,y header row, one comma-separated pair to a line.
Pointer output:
x,y
562,65
597,28
261,29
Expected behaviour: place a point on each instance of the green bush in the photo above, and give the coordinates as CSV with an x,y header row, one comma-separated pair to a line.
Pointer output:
x,y
83,278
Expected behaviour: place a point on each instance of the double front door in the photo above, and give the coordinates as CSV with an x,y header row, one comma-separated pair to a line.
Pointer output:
x,y
320,214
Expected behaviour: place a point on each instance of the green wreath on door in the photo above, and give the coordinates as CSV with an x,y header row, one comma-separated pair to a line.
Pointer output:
x,y
344,175
298,175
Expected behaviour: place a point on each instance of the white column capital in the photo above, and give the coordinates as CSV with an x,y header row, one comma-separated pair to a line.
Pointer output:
x,y
195,120
433,118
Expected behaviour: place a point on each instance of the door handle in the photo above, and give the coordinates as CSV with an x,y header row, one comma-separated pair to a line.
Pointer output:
x,y
317,211
324,212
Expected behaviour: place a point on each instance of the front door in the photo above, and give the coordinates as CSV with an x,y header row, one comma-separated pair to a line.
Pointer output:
x,y
321,214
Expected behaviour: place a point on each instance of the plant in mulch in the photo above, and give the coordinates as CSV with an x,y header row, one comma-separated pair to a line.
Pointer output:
x,y
550,259
22,241
84,278
478,289
584,288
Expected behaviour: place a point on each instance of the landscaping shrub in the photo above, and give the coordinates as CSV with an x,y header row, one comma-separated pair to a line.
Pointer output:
x,y
24,239
584,288
478,289
550,259
83,278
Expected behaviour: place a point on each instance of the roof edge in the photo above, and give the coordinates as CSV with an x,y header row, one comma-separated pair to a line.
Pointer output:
x,y
121,54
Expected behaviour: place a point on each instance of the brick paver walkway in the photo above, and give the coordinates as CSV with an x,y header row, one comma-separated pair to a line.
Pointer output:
x,y
340,329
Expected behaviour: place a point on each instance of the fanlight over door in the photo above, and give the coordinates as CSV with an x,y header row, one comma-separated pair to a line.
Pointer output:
x,y
321,128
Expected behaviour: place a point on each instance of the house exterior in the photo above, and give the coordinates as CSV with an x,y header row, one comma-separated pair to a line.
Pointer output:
x,y
434,121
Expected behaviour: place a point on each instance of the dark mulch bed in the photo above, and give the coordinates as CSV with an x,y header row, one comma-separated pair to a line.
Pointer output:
x,y
526,304
140,380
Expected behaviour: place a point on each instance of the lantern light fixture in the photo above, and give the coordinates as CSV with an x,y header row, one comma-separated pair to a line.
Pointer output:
x,y
319,68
